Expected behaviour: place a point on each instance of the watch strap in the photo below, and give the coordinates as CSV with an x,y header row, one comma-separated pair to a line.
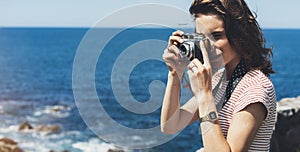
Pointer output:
x,y
204,118
211,116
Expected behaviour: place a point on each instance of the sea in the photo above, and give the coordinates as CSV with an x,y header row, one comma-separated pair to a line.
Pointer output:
x,y
42,82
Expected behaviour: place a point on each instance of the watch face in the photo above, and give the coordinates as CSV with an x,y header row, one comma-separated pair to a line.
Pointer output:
x,y
213,115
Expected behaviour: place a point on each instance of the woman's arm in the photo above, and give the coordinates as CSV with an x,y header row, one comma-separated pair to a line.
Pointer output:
x,y
171,106
245,125
173,117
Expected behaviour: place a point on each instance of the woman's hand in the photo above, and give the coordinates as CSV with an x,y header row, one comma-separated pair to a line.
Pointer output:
x,y
172,56
201,74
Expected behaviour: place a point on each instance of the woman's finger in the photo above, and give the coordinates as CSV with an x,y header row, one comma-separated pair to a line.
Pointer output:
x,y
193,66
197,62
167,54
205,46
173,49
175,40
190,74
178,33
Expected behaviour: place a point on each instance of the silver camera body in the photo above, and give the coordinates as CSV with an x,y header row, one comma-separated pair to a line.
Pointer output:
x,y
190,47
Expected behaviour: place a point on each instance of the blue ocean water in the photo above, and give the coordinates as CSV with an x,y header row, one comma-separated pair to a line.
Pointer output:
x,y
36,76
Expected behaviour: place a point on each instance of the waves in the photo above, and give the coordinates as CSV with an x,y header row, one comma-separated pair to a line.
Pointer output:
x,y
12,113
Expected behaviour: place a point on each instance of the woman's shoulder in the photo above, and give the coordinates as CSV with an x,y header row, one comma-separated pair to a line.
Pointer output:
x,y
256,77
255,87
255,83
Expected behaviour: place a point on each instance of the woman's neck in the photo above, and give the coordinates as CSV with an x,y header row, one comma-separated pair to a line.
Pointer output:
x,y
230,66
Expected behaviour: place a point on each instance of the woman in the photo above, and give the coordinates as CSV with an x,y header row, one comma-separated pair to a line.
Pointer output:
x,y
247,115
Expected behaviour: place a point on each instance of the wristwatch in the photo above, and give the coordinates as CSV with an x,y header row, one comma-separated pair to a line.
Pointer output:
x,y
212,117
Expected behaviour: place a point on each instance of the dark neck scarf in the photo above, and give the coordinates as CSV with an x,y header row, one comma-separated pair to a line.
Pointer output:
x,y
238,73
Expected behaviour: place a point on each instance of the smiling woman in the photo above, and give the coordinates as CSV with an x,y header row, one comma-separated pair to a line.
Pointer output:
x,y
247,115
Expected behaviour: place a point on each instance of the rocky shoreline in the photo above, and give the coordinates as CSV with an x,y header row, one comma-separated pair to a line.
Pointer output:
x,y
10,145
286,136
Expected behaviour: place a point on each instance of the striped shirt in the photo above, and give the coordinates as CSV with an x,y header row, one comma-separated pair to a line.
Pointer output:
x,y
254,87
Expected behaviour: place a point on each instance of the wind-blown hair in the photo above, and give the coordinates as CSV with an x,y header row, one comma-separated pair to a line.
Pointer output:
x,y
241,29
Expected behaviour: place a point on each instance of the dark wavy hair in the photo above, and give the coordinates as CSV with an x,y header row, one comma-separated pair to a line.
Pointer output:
x,y
242,31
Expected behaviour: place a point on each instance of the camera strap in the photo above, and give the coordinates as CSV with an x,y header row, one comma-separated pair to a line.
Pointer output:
x,y
240,70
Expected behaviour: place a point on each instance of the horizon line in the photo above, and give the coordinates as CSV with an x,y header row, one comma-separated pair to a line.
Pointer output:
x,y
115,27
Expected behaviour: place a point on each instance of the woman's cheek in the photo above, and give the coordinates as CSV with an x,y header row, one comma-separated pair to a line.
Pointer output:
x,y
221,43
225,48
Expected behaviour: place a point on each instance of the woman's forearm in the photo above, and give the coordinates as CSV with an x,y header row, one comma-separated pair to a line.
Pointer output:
x,y
175,117
212,136
171,105
213,139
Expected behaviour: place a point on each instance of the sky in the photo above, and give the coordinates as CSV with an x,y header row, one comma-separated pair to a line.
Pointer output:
x,y
80,13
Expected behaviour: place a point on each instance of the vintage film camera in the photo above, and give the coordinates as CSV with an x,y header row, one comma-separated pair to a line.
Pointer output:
x,y
190,47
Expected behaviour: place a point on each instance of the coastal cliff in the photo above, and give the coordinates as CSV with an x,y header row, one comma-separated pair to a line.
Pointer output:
x,y
286,137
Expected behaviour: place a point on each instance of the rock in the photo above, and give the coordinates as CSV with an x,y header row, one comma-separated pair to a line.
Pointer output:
x,y
8,141
9,145
48,129
286,136
59,108
288,106
115,150
25,126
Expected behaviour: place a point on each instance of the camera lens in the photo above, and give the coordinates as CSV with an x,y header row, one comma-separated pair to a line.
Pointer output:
x,y
186,49
183,49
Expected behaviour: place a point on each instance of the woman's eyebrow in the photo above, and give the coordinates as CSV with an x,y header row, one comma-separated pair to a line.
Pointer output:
x,y
213,33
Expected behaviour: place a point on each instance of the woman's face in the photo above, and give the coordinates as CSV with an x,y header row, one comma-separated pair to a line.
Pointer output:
x,y
213,27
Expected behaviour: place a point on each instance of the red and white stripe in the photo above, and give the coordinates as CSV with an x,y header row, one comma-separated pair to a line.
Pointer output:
x,y
254,87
